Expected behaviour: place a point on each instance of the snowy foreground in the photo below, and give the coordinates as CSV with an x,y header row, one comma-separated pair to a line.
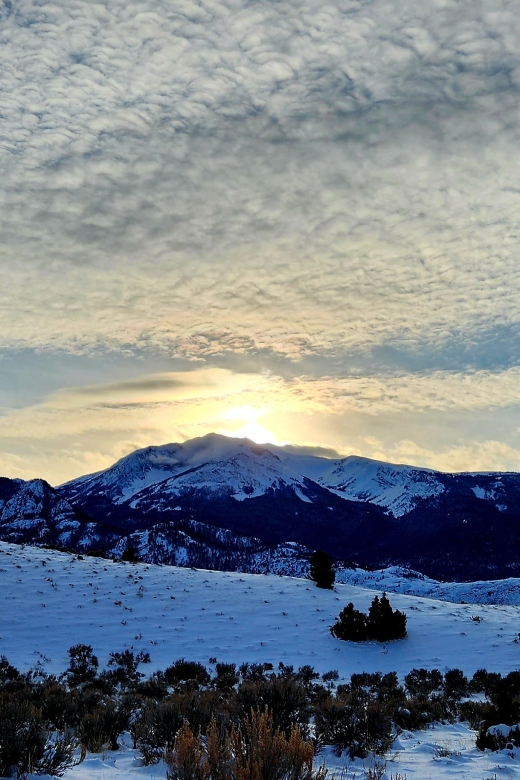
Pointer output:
x,y
50,601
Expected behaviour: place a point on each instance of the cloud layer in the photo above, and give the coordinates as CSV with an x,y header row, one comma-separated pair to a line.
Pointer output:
x,y
326,192
427,419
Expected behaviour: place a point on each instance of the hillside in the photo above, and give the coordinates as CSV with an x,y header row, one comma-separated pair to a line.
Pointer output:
x,y
176,612
52,600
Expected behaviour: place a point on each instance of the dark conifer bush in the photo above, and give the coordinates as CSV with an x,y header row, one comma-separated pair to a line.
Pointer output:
x,y
385,624
382,623
322,569
130,555
351,625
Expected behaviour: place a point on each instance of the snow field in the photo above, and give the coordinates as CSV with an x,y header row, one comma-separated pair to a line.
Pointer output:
x,y
50,601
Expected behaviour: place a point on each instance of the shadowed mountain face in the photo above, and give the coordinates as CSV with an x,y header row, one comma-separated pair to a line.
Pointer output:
x,y
228,503
446,525
35,513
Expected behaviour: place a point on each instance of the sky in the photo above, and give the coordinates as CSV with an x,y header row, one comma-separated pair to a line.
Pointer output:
x,y
288,219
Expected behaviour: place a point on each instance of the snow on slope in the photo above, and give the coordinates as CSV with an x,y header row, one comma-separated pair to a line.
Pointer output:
x,y
152,465
444,752
34,508
395,579
51,600
398,488
224,464
242,476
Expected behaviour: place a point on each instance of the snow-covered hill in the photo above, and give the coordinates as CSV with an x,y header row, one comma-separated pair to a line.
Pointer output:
x,y
50,601
176,612
395,579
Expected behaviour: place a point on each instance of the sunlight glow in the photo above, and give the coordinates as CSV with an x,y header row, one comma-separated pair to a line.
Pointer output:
x,y
251,429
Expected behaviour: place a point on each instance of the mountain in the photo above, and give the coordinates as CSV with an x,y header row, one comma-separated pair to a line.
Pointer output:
x,y
445,525
241,468
224,503
233,484
35,513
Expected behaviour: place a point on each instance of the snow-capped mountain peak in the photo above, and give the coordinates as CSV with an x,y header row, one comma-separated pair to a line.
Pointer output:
x,y
244,475
245,469
152,465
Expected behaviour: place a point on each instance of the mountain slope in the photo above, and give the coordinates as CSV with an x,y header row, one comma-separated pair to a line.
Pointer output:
x,y
446,525
251,490
398,488
35,513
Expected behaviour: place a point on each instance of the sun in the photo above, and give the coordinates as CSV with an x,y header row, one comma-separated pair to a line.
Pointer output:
x,y
251,428
257,433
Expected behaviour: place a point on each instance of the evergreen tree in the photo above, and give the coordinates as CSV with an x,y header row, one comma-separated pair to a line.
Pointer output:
x,y
374,621
351,625
392,621
322,569
382,623
130,555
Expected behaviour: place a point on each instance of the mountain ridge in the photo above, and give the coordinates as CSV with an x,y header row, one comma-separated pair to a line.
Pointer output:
x,y
220,502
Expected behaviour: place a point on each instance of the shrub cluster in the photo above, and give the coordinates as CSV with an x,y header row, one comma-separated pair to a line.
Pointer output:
x,y
47,722
255,748
382,624
233,723
503,707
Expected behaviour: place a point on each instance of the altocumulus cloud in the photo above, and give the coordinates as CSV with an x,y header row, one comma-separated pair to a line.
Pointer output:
x,y
326,189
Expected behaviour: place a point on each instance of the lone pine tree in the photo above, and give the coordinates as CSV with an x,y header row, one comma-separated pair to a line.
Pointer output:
x,y
322,569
